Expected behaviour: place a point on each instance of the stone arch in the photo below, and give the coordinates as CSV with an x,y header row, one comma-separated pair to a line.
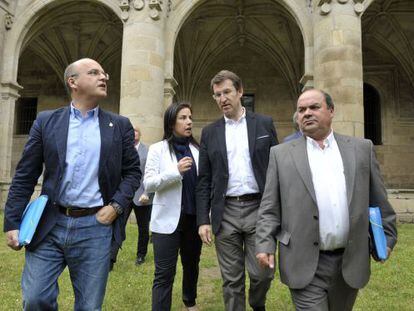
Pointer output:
x,y
388,65
226,35
184,9
55,33
367,4
16,36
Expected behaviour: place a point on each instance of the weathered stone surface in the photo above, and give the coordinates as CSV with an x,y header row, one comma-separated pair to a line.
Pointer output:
x,y
271,45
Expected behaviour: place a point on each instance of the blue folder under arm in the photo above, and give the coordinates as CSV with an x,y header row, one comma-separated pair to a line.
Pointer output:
x,y
30,219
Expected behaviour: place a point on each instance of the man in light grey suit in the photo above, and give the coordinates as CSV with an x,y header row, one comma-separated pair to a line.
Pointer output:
x,y
142,205
315,204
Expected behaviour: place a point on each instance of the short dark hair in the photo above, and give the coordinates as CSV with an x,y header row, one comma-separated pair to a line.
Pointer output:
x,y
170,117
227,75
328,99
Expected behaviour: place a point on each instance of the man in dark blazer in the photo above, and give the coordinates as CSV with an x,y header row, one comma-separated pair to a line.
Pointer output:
x,y
90,173
234,153
315,204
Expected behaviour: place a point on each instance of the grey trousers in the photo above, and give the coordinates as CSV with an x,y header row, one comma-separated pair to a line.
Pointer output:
x,y
328,290
235,247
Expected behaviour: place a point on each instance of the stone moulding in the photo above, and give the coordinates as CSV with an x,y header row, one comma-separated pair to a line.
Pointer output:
x,y
169,85
155,7
124,6
326,7
138,4
8,21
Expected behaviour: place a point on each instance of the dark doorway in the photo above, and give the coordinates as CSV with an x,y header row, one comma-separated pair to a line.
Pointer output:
x,y
372,114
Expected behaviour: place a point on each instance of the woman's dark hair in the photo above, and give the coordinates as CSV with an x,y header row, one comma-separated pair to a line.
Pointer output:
x,y
170,118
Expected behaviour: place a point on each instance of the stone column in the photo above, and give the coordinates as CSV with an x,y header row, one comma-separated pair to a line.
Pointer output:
x,y
9,94
142,73
338,61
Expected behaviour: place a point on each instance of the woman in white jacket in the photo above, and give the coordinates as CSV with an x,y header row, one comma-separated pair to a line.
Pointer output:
x,y
171,172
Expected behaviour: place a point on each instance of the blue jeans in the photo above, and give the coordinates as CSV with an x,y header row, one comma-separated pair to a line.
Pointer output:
x,y
83,244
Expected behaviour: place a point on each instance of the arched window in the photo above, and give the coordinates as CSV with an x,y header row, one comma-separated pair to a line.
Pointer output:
x,y
372,114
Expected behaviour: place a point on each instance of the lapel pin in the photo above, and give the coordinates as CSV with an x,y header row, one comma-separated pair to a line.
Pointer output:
x,y
111,124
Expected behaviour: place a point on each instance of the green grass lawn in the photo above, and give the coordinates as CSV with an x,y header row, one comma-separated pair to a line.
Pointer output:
x,y
129,287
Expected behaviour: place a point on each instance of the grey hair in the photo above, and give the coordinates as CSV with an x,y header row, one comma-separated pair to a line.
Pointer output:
x,y
295,121
69,72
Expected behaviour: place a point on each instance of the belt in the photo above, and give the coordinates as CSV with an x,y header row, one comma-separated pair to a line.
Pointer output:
x,y
75,211
245,197
337,251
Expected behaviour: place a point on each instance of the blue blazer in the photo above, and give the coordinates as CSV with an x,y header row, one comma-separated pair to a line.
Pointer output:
x,y
119,173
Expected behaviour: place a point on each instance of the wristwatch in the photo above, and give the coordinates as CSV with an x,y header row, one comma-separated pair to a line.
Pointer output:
x,y
118,208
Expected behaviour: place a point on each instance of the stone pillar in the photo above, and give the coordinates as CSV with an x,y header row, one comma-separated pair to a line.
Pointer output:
x,y
142,73
9,94
338,61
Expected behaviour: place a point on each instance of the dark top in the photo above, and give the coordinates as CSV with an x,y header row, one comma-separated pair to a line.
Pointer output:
x,y
181,146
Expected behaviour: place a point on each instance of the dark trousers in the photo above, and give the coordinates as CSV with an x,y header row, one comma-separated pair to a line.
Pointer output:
x,y
143,216
184,239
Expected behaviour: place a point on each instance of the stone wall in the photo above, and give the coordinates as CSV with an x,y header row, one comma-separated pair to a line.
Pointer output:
x,y
403,202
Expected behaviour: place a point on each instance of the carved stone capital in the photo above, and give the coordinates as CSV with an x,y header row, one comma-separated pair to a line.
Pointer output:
x,y
359,6
138,4
124,6
8,21
10,90
325,6
155,7
169,85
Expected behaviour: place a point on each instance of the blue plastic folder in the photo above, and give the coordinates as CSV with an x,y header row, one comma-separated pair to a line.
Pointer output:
x,y
377,233
30,219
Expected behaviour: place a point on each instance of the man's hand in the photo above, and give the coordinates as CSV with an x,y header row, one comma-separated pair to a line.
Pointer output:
x,y
12,239
389,250
106,215
143,199
205,234
266,260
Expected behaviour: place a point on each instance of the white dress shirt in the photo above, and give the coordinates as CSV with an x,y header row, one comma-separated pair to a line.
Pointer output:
x,y
330,188
241,176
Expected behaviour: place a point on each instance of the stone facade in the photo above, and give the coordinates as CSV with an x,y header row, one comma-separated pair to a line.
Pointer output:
x,y
157,51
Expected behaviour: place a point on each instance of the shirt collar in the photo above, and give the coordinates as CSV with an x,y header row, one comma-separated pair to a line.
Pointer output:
x,y
93,113
231,121
328,141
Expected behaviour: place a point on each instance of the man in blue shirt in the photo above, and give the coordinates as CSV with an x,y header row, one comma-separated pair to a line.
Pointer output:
x,y
91,171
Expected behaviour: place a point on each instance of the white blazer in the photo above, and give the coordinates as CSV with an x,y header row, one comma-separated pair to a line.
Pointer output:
x,y
163,178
